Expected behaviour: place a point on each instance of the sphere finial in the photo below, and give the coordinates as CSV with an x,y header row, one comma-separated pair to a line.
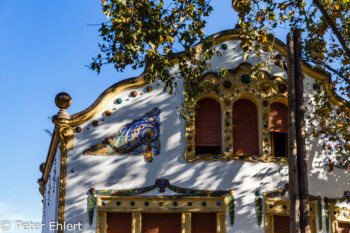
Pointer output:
x,y
242,6
63,100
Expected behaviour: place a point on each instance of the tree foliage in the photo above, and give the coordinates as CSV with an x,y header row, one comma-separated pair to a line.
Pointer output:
x,y
153,31
326,35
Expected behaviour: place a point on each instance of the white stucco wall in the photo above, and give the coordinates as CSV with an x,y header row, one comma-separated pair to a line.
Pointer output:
x,y
50,203
120,172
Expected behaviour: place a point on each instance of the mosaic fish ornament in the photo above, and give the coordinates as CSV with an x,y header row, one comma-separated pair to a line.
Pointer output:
x,y
140,137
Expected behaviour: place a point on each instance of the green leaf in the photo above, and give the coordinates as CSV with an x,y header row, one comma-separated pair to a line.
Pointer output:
x,y
246,55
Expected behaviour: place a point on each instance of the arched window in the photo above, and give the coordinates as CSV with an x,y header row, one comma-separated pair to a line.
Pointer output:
x,y
279,129
208,131
245,128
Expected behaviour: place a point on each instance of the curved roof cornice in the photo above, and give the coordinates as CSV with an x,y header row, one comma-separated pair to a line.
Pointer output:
x,y
232,34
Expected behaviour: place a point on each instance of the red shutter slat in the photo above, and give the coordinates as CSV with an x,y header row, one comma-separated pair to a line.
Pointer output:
x,y
203,223
281,224
208,123
343,227
278,117
161,223
245,128
119,222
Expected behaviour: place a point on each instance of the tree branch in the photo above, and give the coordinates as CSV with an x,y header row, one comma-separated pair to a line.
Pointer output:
x,y
333,26
347,80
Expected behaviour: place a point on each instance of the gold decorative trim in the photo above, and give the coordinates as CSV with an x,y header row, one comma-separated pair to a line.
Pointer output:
x,y
78,118
262,92
49,159
186,222
335,99
136,222
161,204
65,135
339,214
102,222
277,206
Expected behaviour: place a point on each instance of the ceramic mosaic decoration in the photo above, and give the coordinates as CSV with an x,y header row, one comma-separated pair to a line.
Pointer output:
x,y
331,156
140,137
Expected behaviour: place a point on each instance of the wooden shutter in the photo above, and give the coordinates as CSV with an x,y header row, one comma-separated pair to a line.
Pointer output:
x,y
161,223
203,223
119,222
208,123
245,128
278,118
343,227
281,224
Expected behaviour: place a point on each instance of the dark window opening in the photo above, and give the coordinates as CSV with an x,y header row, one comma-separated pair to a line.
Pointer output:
x,y
161,222
208,150
281,224
279,143
343,227
203,223
245,132
119,222
208,133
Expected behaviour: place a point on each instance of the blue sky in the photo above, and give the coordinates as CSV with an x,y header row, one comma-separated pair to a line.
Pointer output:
x,y
44,48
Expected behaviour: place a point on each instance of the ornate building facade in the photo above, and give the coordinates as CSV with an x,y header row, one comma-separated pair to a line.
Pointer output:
x,y
130,163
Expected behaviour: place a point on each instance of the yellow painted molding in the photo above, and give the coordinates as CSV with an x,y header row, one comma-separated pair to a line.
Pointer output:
x,y
186,222
109,96
62,189
136,222
335,99
65,135
48,163
160,203
102,222
221,222
269,224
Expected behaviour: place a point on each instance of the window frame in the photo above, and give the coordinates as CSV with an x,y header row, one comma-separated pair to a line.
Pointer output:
x,y
337,215
281,207
161,204
262,92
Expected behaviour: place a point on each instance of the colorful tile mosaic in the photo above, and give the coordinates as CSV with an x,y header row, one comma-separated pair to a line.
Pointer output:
x,y
140,137
91,207
161,184
332,156
231,209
